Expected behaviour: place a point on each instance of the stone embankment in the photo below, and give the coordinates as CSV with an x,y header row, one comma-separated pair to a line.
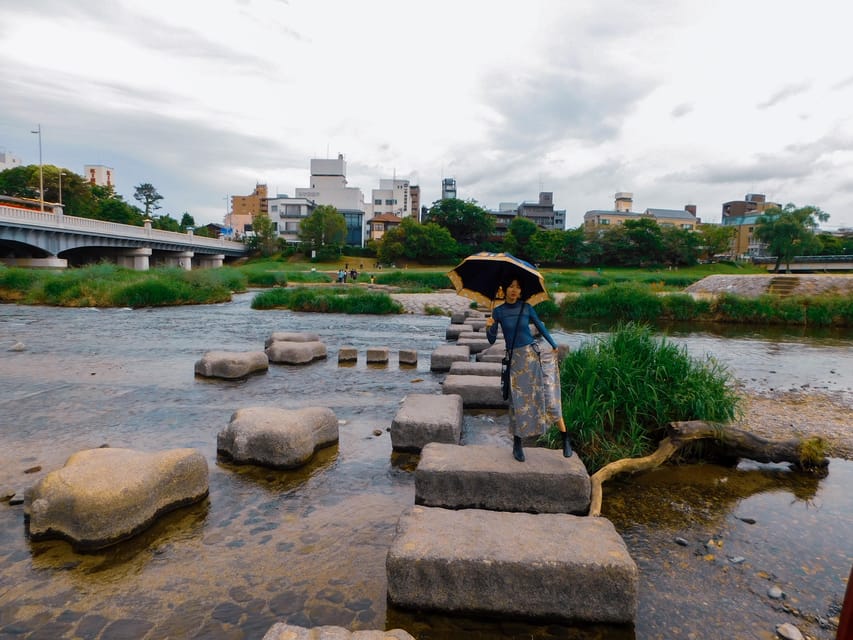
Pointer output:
x,y
752,286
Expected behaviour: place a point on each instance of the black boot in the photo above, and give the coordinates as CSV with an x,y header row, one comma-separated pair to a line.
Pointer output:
x,y
567,445
517,451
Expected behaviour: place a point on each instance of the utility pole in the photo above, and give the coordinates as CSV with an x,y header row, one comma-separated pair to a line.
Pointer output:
x,y
41,171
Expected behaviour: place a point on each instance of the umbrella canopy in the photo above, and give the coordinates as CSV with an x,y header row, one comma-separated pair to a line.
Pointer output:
x,y
480,276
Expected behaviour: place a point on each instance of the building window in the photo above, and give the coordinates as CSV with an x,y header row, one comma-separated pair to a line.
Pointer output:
x,y
274,208
377,201
604,221
390,202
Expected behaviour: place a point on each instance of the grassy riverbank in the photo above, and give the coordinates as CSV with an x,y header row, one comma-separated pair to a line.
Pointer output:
x,y
107,285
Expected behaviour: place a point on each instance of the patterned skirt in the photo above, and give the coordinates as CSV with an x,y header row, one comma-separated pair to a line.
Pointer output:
x,y
535,390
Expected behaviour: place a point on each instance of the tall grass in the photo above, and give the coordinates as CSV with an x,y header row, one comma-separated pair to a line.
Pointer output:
x,y
346,299
108,285
620,392
414,281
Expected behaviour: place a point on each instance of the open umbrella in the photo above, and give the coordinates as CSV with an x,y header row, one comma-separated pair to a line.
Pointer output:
x,y
479,277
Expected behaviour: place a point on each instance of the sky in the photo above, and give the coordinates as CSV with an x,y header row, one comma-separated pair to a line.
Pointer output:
x,y
677,101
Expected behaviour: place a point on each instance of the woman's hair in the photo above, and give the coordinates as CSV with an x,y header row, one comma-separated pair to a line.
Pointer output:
x,y
506,281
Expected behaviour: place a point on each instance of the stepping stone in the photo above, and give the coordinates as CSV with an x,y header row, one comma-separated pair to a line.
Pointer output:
x,y
102,496
277,438
425,418
494,353
284,352
283,631
453,330
291,336
347,354
476,391
458,317
478,324
445,355
488,477
408,356
231,364
476,369
546,565
476,345
377,355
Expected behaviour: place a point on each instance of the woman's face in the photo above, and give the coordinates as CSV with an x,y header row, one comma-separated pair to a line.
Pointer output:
x,y
513,292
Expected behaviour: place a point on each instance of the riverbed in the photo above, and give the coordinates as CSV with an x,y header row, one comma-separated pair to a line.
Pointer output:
x,y
309,546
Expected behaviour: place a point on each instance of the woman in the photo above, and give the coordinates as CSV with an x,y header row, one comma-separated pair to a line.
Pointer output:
x,y
534,384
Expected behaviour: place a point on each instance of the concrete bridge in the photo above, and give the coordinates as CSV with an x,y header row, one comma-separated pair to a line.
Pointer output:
x,y
36,239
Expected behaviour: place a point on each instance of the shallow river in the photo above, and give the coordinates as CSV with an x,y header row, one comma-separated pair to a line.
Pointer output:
x,y
309,546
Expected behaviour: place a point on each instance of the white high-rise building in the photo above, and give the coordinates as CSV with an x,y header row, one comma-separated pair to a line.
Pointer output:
x,y
392,196
329,186
100,175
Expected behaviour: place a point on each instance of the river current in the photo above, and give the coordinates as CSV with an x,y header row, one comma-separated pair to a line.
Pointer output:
x,y
309,546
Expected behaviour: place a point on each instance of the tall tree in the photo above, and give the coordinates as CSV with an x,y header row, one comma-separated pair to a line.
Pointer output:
x,y
467,222
789,231
325,227
264,239
519,235
148,196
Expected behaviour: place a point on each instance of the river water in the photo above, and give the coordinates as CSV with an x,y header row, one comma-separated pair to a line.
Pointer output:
x,y
309,546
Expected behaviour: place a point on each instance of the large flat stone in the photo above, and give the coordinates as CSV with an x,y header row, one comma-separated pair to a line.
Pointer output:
x,y
544,565
476,391
287,352
443,356
291,336
475,369
488,477
278,438
231,364
494,353
102,496
424,418
476,345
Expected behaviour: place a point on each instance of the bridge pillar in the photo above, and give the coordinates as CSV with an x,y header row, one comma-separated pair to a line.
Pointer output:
x,y
210,261
136,259
180,259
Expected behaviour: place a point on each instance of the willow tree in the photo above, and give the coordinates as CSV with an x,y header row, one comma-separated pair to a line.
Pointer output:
x,y
789,231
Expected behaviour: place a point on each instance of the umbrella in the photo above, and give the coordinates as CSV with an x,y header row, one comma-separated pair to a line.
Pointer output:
x,y
479,277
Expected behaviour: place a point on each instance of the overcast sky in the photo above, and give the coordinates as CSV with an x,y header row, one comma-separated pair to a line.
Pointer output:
x,y
677,101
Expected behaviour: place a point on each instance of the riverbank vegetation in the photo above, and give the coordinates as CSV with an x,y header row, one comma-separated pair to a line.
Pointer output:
x,y
633,302
336,299
107,285
621,391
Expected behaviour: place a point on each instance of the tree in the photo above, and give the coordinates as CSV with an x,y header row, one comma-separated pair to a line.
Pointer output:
x,y
422,242
789,231
519,234
325,227
148,196
265,238
716,239
187,221
467,222
645,240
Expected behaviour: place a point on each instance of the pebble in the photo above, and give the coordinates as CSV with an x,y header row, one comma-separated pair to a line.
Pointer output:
x,y
18,346
737,559
681,541
775,592
377,432
17,498
789,632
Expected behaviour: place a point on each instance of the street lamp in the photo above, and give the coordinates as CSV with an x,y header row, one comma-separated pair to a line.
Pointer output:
x,y
60,188
41,171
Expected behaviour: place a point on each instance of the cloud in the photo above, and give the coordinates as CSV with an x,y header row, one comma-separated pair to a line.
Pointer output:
x,y
681,110
783,94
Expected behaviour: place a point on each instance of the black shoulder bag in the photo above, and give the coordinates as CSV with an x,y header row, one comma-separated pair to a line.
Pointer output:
x,y
506,363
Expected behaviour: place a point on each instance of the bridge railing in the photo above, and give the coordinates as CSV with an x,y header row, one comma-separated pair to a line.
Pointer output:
x,y
59,221
795,259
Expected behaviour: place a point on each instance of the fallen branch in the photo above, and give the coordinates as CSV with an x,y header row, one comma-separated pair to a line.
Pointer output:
x,y
736,443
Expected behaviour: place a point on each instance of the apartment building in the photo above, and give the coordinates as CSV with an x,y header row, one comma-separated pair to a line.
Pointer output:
x,y
743,216
287,214
597,219
8,161
243,210
100,175
541,212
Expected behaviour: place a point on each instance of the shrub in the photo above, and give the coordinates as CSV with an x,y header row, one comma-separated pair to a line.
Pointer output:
x,y
620,392
414,280
617,302
345,299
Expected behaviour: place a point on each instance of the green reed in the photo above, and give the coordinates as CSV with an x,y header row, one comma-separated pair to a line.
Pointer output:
x,y
620,392
344,299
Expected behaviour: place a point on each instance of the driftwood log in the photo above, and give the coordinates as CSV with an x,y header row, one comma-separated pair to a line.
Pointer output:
x,y
806,453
